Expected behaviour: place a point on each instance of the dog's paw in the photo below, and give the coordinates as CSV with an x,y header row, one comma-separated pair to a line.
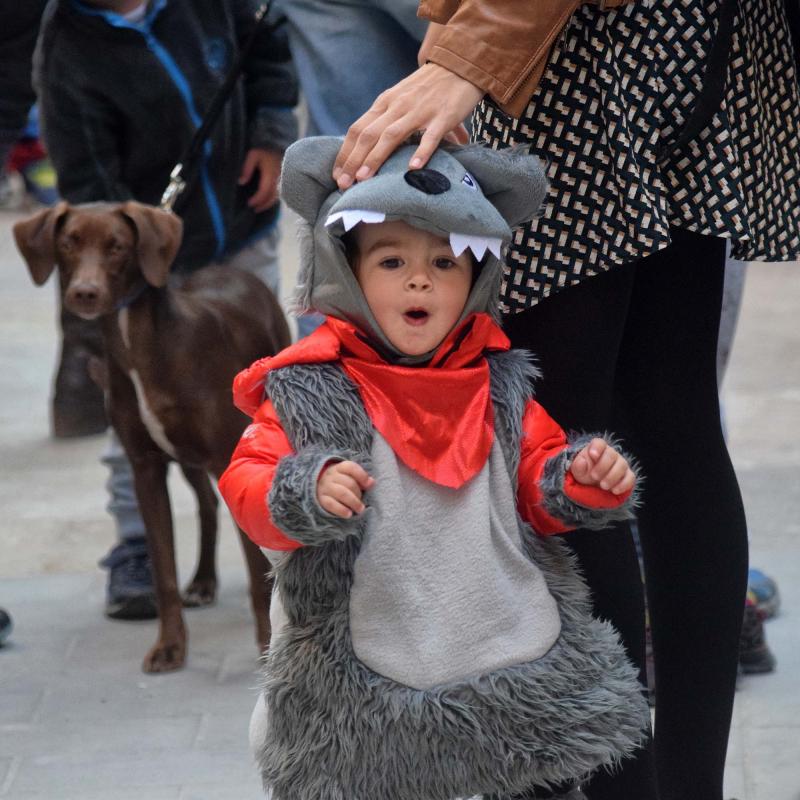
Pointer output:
x,y
164,657
200,592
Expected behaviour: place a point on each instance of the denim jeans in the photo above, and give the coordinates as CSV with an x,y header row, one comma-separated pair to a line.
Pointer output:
x,y
260,258
347,52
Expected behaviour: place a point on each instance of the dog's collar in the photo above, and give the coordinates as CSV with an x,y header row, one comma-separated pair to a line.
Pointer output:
x,y
132,296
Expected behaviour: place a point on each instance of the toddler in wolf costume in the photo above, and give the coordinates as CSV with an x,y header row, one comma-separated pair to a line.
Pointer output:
x,y
430,639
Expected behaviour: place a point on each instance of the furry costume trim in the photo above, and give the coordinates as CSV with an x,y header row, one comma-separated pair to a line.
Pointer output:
x,y
332,720
293,502
513,373
573,514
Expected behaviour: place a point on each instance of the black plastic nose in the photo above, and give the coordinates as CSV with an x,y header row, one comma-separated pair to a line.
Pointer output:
x,y
427,180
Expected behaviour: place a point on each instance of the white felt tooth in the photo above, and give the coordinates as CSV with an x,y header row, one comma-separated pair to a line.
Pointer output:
x,y
350,219
459,243
372,216
478,246
496,246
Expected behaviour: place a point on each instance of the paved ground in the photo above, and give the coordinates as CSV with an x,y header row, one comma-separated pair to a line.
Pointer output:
x,y
80,721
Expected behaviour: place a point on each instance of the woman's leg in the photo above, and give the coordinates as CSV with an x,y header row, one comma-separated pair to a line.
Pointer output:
x,y
692,521
576,336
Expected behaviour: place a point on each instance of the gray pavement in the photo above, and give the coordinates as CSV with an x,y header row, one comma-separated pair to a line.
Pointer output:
x,y
80,721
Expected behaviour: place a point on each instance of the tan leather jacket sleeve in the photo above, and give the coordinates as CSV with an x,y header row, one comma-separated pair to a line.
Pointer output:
x,y
500,45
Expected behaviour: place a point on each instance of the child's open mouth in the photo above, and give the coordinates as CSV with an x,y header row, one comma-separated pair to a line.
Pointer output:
x,y
416,316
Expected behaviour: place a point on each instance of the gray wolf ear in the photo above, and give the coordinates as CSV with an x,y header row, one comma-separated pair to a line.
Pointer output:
x,y
306,180
513,180
158,237
36,240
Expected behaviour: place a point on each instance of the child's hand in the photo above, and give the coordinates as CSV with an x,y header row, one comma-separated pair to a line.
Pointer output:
x,y
340,487
599,464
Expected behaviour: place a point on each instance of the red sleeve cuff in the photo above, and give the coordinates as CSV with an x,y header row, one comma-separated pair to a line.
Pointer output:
x,y
592,496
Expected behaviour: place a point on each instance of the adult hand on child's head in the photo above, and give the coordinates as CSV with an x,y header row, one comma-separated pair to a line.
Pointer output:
x,y
341,486
268,165
432,99
599,464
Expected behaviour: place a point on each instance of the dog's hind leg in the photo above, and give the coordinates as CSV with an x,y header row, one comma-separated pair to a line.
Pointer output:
x,y
260,588
202,589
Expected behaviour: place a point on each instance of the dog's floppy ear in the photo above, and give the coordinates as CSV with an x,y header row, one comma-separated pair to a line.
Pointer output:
x,y
306,180
158,237
512,180
36,240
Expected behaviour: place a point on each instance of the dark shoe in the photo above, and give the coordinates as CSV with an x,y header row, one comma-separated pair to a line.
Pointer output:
x,y
764,591
6,626
755,657
78,402
130,593
40,181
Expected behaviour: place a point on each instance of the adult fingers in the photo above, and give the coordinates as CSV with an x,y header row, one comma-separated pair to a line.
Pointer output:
x,y
429,142
375,144
432,99
353,148
459,135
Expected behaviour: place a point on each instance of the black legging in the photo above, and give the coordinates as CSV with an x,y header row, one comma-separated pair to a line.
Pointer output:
x,y
633,351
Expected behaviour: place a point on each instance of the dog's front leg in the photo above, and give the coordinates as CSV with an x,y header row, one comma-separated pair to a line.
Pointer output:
x,y
150,477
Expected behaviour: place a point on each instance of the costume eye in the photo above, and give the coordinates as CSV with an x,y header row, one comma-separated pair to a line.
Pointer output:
x,y
469,181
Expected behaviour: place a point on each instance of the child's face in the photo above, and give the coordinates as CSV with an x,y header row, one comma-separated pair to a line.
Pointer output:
x,y
414,285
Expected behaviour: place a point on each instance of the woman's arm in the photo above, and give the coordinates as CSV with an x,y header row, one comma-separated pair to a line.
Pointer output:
x,y
497,48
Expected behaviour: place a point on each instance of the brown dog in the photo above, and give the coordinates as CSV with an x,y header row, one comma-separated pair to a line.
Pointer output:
x,y
172,351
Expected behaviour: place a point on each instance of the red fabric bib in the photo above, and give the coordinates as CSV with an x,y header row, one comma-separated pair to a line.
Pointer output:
x,y
438,419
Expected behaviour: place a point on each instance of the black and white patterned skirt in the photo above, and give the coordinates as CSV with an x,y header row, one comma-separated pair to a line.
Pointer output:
x,y
618,90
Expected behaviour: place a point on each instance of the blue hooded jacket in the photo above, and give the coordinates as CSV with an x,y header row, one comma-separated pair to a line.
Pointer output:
x,y
120,101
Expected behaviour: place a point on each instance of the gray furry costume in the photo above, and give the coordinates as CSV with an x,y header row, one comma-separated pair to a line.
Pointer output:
x,y
433,647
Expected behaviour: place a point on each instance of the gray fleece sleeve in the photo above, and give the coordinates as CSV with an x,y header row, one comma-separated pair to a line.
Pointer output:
x,y
563,508
292,499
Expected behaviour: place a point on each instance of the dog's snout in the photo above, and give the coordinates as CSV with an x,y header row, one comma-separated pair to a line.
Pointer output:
x,y
84,298
85,293
426,180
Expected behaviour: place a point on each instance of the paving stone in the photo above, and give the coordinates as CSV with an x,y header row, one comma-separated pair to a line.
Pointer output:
x,y
138,767
772,769
110,738
18,703
216,791
153,793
